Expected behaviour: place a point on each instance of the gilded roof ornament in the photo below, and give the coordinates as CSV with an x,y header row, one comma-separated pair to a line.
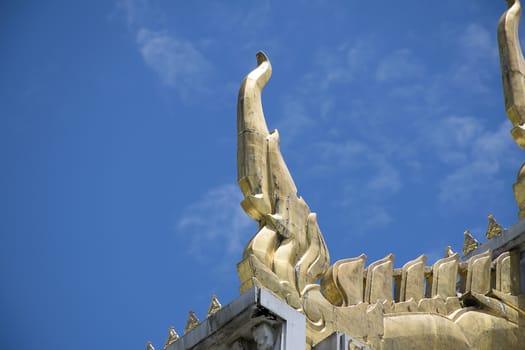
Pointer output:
x,y
513,69
513,78
448,251
469,243
172,337
443,306
288,256
192,322
214,306
493,228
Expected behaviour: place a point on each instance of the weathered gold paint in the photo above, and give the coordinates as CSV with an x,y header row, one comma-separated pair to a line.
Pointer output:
x,y
172,337
469,242
192,322
288,256
215,306
513,78
494,229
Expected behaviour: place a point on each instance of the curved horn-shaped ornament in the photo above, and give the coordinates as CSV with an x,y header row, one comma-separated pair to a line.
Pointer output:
x,y
252,149
513,70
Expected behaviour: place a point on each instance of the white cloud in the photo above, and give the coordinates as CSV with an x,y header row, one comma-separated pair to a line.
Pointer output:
x,y
381,174
310,103
386,178
370,180
471,156
245,19
478,41
399,65
382,154
340,64
469,182
478,50
132,9
341,154
375,217
366,209
177,62
477,156
296,119
216,227
137,12
453,137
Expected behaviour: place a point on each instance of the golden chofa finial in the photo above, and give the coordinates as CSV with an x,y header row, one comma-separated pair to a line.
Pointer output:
x,y
512,70
214,306
149,346
192,322
470,243
172,337
493,228
448,251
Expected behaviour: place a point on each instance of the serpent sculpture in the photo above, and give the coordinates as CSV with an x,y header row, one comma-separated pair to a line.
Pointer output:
x,y
450,305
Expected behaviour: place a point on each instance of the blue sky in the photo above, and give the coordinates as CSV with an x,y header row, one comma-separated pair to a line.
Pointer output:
x,y
118,146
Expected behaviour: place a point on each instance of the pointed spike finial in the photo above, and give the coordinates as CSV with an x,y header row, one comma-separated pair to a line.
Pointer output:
x,y
469,243
493,228
172,337
192,322
214,306
149,346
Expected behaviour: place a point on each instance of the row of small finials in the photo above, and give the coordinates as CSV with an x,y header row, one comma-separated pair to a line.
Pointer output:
x,y
494,229
192,322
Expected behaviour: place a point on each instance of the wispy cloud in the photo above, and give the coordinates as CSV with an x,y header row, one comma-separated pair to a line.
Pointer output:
x,y
296,118
364,158
477,41
370,179
312,100
137,12
399,65
453,137
177,62
476,155
215,227
366,209
339,64
478,49
386,179
380,145
246,19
